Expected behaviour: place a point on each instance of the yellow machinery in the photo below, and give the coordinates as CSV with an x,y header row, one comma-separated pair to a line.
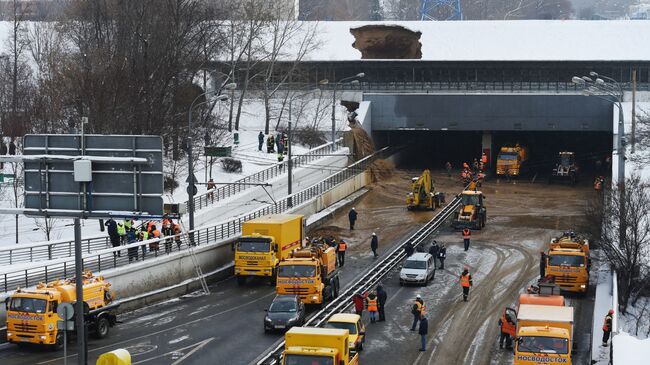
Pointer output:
x,y
32,317
422,195
264,242
354,325
311,273
310,345
510,160
472,213
568,262
115,357
544,334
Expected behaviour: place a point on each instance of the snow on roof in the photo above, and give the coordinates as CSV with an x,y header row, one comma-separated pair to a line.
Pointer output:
x,y
520,40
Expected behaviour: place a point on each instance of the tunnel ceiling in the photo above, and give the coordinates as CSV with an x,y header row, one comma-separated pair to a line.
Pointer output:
x,y
476,112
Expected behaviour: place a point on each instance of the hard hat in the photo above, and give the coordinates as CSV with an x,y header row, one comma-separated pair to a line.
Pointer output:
x,y
418,296
374,234
353,208
611,311
466,267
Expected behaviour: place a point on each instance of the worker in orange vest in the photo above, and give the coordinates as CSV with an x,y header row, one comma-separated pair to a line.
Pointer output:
x,y
607,326
466,235
341,252
465,282
372,306
508,328
484,158
177,235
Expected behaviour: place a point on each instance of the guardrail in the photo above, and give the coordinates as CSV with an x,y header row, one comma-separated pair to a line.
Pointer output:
x,y
65,248
370,278
124,255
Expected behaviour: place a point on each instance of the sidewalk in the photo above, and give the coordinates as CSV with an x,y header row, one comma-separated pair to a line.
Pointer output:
x,y
603,303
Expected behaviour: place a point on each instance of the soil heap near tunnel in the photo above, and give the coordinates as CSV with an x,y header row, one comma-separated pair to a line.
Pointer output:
x,y
362,146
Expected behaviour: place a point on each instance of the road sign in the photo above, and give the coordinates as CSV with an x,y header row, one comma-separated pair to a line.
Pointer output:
x,y
192,190
65,325
193,178
65,311
215,151
126,175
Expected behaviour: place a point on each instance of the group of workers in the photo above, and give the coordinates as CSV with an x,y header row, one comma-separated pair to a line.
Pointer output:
x,y
473,173
374,301
273,143
125,232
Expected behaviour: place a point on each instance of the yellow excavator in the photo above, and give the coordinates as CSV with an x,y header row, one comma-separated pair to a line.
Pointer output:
x,y
422,195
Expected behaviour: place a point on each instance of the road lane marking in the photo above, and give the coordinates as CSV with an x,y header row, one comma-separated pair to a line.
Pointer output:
x,y
193,351
200,344
165,330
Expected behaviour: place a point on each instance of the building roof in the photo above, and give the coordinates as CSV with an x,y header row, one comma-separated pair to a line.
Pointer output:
x,y
517,40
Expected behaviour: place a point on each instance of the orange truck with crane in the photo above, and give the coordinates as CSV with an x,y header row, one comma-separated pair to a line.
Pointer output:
x,y
311,273
32,316
567,261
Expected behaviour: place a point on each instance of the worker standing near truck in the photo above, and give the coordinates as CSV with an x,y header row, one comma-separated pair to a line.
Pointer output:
x,y
466,236
607,326
374,244
465,282
372,307
506,326
417,310
542,264
442,255
341,252
352,217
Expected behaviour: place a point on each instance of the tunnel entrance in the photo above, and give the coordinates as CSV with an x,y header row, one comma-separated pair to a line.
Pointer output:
x,y
432,149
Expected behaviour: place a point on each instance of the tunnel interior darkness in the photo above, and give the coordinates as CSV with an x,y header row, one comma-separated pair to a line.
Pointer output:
x,y
431,149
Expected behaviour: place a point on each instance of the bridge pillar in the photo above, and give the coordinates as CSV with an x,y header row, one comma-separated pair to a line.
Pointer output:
x,y
486,146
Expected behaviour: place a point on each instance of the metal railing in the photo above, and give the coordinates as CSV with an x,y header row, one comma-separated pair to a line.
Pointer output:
x,y
50,250
146,250
369,279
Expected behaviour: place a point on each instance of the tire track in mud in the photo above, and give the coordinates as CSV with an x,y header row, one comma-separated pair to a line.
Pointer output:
x,y
468,320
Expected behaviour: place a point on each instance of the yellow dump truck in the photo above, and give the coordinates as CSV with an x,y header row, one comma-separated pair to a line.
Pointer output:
x,y
510,160
32,316
423,195
472,213
311,273
544,335
568,262
322,346
264,242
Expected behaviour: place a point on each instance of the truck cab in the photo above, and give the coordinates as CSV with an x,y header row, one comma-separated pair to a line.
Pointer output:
x,y
318,346
544,335
472,213
568,263
510,160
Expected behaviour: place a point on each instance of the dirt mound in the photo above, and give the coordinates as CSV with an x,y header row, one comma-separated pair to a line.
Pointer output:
x,y
362,145
381,170
387,42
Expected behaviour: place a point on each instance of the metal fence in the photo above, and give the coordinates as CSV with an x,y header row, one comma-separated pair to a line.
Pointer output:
x,y
146,250
65,248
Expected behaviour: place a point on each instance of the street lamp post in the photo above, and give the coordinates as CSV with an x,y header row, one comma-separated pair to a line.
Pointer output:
x,y
357,76
190,162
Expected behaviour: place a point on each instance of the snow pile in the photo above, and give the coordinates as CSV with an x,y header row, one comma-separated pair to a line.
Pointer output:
x,y
629,350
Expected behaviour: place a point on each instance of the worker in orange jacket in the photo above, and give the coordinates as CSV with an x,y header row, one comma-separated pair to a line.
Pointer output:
x,y
465,282
372,306
466,236
341,252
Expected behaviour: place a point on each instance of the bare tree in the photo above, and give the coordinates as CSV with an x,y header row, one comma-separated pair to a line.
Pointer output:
x,y
627,209
46,225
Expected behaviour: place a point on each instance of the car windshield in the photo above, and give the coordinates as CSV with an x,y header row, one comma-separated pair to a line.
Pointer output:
x,y
566,260
296,271
507,156
254,246
30,305
283,306
470,199
546,345
291,359
415,264
343,326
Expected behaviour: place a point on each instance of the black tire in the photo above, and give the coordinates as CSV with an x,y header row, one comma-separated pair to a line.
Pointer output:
x,y
58,344
102,327
273,278
241,280
360,347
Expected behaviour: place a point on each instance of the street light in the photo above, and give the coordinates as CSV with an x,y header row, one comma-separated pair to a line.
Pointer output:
x,y
190,167
289,162
354,82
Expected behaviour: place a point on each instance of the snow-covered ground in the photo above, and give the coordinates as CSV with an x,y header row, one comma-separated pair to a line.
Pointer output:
x,y
305,111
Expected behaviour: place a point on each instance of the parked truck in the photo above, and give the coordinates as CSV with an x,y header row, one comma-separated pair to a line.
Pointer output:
x,y
544,334
568,262
318,346
311,273
472,213
264,242
510,160
32,316
423,195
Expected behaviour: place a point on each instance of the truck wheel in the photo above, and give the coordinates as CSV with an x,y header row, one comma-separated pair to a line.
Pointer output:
x,y
272,278
58,344
101,327
360,346
241,280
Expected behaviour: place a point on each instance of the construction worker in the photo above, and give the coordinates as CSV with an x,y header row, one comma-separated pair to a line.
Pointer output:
x,y
168,232
352,217
417,310
542,264
442,255
358,299
598,183
121,232
484,159
280,158
448,168
372,307
131,238
434,250
423,331
270,144
128,224
374,244
408,249
507,326
113,235
177,234
475,164
466,235
211,186
381,300
607,326
465,282
341,252
260,141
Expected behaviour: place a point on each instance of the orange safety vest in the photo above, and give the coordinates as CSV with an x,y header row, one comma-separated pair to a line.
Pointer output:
x,y
342,246
156,233
372,305
466,233
606,323
464,280
507,327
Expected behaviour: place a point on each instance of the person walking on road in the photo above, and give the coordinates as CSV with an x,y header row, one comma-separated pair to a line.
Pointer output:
x,y
352,217
465,282
434,249
507,327
372,307
442,255
358,299
260,141
341,252
607,326
466,235
417,310
542,264
423,331
374,244
408,249
381,301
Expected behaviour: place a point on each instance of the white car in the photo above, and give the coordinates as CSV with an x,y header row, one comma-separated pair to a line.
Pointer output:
x,y
418,268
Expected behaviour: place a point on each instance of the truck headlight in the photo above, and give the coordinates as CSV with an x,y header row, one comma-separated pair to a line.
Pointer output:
x,y
582,286
315,297
43,337
9,334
